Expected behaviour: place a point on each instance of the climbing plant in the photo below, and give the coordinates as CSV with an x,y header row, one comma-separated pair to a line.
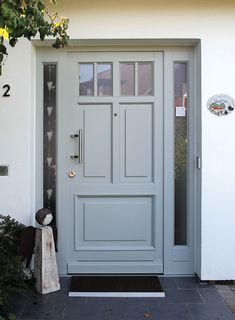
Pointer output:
x,y
27,18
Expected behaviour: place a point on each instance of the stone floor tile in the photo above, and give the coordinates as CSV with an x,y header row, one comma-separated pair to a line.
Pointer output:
x,y
87,311
169,312
191,283
41,311
222,287
217,311
168,283
229,301
210,295
232,308
183,296
186,299
65,282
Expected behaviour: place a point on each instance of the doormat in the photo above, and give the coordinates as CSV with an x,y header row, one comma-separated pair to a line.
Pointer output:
x,y
115,286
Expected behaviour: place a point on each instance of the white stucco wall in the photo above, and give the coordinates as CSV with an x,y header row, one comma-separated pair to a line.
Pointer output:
x,y
211,21
15,137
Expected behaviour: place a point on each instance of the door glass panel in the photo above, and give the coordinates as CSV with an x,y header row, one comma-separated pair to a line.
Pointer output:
x,y
181,107
86,79
127,71
145,78
104,79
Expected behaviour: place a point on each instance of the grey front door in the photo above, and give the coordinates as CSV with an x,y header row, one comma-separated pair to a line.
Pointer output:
x,y
113,120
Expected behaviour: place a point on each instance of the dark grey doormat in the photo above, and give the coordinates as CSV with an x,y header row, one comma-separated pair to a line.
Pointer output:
x,y
115,286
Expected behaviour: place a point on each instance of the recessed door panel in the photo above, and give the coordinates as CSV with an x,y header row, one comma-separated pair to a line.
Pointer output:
x,y
136,143
97,142
118,223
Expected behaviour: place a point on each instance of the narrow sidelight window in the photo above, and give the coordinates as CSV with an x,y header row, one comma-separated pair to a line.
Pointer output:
x,y
49,136
181,128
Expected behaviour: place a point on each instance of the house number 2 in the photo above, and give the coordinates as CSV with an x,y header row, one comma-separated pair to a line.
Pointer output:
x,y
6,89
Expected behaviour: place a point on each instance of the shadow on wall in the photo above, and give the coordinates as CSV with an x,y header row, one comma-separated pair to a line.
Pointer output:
x,y
103,5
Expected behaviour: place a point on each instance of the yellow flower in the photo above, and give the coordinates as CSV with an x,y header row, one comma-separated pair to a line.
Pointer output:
x,y
4,33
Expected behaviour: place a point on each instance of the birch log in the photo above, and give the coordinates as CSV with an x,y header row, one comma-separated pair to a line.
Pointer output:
x,y
45,265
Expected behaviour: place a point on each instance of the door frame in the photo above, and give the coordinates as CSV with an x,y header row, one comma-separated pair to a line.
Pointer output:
x,y
179,259
170,53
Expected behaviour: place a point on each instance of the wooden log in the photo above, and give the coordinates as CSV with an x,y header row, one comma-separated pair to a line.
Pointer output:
x,y
45,265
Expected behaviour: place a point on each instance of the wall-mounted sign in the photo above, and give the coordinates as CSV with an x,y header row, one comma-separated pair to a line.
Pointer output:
x,y
221,104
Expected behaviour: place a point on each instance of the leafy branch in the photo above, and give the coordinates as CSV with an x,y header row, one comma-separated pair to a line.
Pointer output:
x,y
27,18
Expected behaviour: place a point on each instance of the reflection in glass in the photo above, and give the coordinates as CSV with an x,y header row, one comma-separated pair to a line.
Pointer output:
x,y
145,78
127,71
86,79
181,107
104,79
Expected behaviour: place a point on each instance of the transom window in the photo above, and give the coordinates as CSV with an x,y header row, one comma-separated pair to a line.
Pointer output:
x,y
135,78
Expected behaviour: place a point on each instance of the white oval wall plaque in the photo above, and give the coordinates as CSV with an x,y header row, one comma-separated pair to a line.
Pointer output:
x,y
221,104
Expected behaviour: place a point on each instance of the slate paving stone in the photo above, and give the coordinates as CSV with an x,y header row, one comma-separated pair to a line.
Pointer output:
x,y
40,312
210,295
170,312
186,299
168,283
222,287
190,283
183,296
217,311
65,283
232,308
85,311
58,296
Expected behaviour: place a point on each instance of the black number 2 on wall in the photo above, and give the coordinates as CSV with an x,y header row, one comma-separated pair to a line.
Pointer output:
x,y
7,88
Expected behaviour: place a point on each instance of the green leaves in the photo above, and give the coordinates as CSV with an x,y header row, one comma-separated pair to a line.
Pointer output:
x,y
3,49
11,268
27,18
13,42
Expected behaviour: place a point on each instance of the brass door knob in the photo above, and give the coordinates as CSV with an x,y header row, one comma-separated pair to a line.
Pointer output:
x,y
72,174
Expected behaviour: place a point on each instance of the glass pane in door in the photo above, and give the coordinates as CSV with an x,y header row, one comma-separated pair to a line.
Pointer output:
x,y
127,78
86,79
104,79
145,78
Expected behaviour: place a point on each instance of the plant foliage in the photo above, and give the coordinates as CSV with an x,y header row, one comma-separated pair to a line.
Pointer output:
x,y
27,18
12,278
